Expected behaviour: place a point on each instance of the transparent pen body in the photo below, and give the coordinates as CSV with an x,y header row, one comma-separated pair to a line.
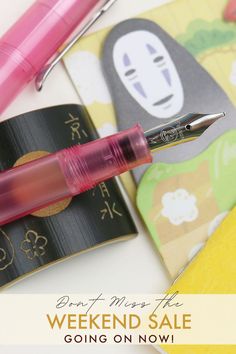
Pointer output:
x,y
44,181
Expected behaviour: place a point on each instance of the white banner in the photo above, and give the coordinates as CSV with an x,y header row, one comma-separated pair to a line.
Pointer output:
x,y
117,319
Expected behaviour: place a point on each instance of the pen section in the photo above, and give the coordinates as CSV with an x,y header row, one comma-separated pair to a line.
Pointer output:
x,y
87,165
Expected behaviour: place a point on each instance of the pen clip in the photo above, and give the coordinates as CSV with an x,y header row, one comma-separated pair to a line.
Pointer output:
x,y
47,69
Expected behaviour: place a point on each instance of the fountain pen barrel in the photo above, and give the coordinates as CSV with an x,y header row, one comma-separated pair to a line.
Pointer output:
x,y
27,188
42,182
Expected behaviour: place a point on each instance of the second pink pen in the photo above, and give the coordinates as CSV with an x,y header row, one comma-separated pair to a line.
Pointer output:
x,y
34,39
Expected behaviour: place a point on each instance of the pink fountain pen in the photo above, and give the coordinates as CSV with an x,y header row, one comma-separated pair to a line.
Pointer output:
x,y
35,38
37,184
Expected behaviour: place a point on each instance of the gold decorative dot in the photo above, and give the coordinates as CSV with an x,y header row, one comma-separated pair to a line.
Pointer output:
x,y
53,209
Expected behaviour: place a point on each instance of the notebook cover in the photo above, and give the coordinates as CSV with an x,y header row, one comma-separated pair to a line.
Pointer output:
x,y
89,220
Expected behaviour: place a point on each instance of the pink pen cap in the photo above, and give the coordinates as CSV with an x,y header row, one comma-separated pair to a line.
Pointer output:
x,y
35,38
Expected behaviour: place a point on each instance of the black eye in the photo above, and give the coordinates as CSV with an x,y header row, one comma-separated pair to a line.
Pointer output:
x,y
158,59
130,72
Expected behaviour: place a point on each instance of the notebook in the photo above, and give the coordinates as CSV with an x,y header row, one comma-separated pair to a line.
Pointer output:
x,y
210,46
218,258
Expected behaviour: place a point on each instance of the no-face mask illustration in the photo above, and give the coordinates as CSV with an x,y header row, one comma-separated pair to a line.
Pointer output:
x,y
153,79
148,73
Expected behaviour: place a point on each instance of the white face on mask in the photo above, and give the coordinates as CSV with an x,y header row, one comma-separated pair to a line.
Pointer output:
x,y
148,73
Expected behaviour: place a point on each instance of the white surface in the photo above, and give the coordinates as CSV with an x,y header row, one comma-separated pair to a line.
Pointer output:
x,y
129,267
